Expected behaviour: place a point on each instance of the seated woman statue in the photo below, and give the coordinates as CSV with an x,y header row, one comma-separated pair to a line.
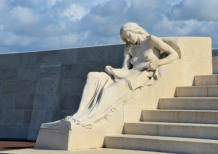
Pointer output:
x,y
144,54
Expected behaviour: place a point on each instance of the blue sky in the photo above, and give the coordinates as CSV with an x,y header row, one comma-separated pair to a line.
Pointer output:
x,y
29,25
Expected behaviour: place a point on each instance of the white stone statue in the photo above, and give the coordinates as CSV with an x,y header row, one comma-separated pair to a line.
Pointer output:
x,y
110,99
144,54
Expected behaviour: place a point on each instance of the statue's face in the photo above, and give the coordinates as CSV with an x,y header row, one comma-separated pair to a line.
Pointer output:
x,y
129,39
124,39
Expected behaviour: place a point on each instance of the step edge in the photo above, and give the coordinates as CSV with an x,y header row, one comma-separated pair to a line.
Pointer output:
x,y
164,138
173,124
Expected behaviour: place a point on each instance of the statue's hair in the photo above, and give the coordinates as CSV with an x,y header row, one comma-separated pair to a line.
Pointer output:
x,y
134,31
133,27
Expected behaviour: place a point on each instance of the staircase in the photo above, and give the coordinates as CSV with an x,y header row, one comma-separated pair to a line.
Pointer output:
x,y
187,123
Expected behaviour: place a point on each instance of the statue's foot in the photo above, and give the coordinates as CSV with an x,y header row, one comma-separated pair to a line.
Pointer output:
x,y
63,124
50,124
72,120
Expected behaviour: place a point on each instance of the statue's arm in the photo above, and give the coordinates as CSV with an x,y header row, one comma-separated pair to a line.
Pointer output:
x,y
127,57
165,48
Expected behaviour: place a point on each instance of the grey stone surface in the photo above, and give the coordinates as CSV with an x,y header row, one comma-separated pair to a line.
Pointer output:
x,y
47,97
215,52
215,64
43,86
215,61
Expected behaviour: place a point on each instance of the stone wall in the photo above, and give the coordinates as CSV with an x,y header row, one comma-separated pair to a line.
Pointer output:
x,y
215,61
44,86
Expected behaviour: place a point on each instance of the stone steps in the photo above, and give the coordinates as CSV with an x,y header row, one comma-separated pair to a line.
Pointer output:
x,y
189,103
207,131
184,116
206,80
197,91
187,123
162,143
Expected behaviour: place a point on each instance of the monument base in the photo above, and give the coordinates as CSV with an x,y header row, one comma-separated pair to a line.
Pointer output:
x,y
68,136
80,138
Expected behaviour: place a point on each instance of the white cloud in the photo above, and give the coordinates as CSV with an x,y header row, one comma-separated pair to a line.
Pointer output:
x,y
75,12
52,3
1,27
23,15
196,9
129,3
2,4
54,24
13,41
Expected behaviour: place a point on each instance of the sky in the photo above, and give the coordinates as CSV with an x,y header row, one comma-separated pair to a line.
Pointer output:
x,y
32,25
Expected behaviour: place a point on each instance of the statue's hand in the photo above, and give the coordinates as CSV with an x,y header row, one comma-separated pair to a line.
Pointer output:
x,y
143,66
153,65
150,38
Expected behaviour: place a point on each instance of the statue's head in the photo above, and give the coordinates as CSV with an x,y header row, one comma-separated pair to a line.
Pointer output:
x,y
131,33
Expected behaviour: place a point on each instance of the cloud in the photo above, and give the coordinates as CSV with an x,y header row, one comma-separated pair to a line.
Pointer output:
x,y
54,24
23,15
195,9
74,12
